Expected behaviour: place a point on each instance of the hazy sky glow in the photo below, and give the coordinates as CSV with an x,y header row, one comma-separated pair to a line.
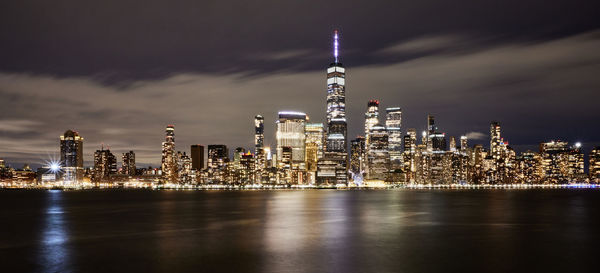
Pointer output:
x,y
120,71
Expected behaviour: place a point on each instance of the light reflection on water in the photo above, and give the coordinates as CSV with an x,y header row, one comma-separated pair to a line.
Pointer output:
x,y
54,253
301,231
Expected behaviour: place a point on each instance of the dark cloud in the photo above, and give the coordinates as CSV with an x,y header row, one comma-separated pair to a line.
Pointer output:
x,y
119,71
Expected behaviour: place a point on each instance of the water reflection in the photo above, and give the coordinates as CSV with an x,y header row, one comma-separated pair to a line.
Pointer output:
x,y
54,253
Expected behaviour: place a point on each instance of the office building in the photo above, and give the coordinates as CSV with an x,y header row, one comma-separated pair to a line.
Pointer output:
x,y
128,166
71,156
197,156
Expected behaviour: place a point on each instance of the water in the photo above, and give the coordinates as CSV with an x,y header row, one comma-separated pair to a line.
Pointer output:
x,y
300,231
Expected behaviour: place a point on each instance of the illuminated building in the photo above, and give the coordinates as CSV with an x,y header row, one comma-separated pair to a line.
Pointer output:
x,y
259,146
555,161
463,143
71,156
218,159
595,164
247,168
315,135
476,157
378,157
128,166
357,160
169,161
333,169
184,169
105,164
197,155
452,144
495,140
435,140
528,168
2,165
290,133
371,118
393,123
561,163
410,150
576,161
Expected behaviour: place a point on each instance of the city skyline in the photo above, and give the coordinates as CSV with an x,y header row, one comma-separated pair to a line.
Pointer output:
x,y
539,82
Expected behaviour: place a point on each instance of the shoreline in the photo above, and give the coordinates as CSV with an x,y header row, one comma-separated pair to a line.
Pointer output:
x,y
310,187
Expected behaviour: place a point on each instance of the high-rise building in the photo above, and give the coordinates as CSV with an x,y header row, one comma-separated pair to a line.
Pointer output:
x,y
357,158
595,164
555,161
247,168
334,168
71,156
105,164
378,157
495,140
371,117
291,133
576,163
393,123
452,144
259,143
410,150
218,159
185,175
463,143
436,141
197,155
169,160
128,166
315,144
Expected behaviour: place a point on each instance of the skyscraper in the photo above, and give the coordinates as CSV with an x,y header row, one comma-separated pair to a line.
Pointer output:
x,y
378,157
333,165
495,140
371,118
259,150
315,136
105,164
291,133
357,158
218,158
71,156
595,164
169,161
128,166
410,150
197,155
393,123
463,143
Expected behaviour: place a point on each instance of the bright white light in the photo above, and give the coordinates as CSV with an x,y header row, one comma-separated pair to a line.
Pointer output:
x,y
54,167
424,133
578,145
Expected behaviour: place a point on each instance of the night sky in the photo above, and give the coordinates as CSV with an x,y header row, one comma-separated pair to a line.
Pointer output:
x,y
119,71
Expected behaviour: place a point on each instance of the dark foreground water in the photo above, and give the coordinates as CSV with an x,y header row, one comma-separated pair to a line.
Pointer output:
x,y
300,231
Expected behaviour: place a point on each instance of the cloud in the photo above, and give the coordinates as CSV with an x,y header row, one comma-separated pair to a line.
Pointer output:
x,y
283,55
17,125
476,136
423,44
537,90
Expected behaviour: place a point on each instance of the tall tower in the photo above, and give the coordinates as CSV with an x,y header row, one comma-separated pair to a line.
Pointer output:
x,y
259,142
371,117
393,123
332,169
169,162
71,156
336,103
495,140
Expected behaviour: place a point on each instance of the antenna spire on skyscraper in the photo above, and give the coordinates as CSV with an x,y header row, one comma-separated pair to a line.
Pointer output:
x,y
335,44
